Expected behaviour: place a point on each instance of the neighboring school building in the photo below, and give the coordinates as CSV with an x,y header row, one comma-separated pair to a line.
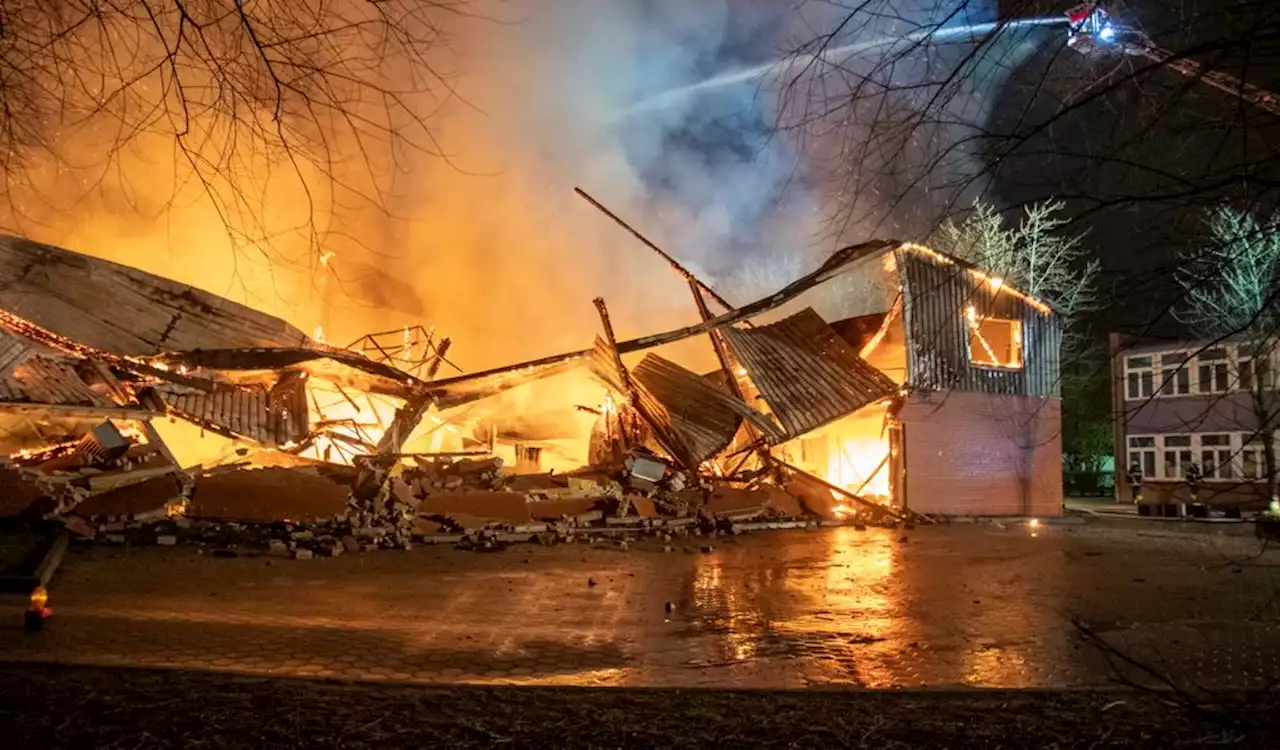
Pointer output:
x,y
1178,403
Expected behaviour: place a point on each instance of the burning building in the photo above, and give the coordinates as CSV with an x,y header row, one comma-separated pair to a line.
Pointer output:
x,y
123,390
976,429
944,402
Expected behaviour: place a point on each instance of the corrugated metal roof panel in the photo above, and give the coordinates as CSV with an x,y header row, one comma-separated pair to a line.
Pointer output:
x,y
604,363
271,418
704,417
50,381
938,293
14,350
808,374
124,310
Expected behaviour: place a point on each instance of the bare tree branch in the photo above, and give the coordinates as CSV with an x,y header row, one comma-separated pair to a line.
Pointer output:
x,y
328,96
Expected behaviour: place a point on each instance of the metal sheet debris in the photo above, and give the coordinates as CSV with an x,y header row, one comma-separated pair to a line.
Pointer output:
x,y
808,374
124,310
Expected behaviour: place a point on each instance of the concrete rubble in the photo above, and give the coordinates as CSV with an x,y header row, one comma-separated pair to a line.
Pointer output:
x,y
469,503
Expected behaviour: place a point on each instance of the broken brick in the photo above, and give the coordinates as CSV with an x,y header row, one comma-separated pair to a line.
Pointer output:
x,y
504,506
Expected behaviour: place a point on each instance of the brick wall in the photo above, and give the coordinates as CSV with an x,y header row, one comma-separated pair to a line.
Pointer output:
x,y
982,454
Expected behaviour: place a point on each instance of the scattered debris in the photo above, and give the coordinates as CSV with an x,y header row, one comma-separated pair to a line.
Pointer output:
x,y
321,457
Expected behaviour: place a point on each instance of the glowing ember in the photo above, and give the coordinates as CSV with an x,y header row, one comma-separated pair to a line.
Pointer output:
x,y
46,453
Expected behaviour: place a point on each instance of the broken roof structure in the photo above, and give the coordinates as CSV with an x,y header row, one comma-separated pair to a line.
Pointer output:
x,y
807,374
252,378
67,293
165,348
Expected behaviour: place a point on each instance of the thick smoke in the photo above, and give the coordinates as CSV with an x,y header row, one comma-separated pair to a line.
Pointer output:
x,y
488,243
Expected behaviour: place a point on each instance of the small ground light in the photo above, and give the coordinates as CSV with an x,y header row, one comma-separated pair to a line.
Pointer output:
x,y
38,610
1034,523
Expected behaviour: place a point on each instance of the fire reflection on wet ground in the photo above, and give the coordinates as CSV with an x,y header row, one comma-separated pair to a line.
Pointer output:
x,y
973,605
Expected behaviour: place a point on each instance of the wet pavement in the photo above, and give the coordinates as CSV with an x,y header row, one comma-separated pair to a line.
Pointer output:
x,y
965,605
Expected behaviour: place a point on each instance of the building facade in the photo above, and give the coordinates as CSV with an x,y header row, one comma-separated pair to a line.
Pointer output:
x,y
1182,403
978,429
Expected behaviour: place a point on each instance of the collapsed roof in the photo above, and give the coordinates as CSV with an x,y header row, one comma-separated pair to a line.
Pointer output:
x,y
123,310
806,372
241,373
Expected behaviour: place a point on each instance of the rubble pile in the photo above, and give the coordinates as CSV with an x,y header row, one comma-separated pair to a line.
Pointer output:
x,y
471,503
97,470
391,517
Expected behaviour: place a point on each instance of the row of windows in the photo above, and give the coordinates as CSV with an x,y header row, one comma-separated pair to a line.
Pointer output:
x,y
1220,456
1217,370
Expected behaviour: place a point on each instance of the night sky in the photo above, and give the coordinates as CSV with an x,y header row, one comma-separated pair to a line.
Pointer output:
x,y
1140,157
1141,161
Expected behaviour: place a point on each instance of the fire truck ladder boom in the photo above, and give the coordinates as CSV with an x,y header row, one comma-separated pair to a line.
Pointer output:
x,y
1092,30
1259,97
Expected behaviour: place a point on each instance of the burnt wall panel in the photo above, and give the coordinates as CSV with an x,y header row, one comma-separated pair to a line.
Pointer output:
x,y
937,293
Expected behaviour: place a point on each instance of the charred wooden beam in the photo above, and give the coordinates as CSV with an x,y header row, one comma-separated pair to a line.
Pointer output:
x,y
441,350
338,437
675,264
63,411
407,418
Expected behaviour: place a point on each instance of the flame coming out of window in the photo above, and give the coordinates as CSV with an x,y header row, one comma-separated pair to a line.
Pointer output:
x,y
994,342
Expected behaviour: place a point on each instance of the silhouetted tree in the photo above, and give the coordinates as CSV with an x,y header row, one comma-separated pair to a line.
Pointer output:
x,y
1231,283
328,94
1034,256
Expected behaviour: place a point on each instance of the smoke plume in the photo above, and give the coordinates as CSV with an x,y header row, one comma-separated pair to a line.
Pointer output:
x,y
481,235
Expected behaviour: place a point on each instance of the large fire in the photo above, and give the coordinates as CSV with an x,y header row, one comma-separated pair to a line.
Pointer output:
x,y
859,464
346,424
852,453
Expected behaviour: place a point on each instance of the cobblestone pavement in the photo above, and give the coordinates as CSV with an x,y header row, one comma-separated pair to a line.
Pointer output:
x,y
964,605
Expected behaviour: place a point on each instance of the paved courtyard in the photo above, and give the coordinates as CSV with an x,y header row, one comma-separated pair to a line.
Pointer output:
x,y
964,605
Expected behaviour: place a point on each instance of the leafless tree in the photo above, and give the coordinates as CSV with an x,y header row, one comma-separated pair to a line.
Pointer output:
x,y
1034,256
328,96
919,109
1231,284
